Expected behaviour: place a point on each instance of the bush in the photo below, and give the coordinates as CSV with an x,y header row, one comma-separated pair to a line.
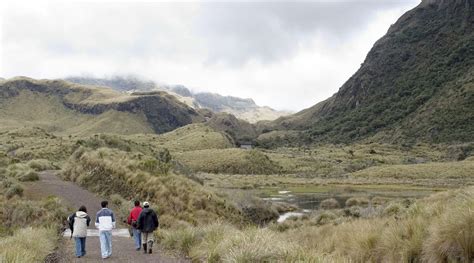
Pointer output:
x,y
393,209
14,189
357,201
28,245
41,165
324,218
330,203
29,176
452,235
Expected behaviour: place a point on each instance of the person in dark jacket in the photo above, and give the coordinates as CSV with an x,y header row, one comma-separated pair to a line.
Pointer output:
x,y
79,221
132,221
147,223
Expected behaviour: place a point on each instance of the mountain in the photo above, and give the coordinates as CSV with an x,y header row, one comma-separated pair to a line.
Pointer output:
x,y
416,84
68,108
245,109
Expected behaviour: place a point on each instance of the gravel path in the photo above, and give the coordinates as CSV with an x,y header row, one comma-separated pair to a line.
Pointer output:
x,y
122,246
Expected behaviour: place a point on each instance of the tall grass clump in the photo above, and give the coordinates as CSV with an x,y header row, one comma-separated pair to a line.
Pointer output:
x,y
452,234
222,242
41,165
229,161
28,245
111,171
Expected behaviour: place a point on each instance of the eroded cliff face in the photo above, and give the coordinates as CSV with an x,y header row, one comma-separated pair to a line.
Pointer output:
x,y
162,112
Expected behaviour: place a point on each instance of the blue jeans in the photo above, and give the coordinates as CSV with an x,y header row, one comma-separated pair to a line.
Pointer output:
x,y
137,237
105,243
80,246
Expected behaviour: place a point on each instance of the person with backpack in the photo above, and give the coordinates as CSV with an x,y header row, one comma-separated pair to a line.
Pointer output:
x,y
78,223
132,221
147,223
105,222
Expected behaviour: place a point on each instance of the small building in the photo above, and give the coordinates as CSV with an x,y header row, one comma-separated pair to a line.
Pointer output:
x,y
246,146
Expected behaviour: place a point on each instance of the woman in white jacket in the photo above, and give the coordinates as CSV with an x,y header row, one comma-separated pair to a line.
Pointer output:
x,y
79,222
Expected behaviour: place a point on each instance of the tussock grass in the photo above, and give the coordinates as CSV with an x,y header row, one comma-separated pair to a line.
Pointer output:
x,y
357,201
28,245
229,161
330,203
452,234
224,243
111,171
41,165
447,170
435,229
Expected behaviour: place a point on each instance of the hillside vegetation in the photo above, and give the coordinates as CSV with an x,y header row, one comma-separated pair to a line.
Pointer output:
x,y
436,229
416,84
245,109
68,108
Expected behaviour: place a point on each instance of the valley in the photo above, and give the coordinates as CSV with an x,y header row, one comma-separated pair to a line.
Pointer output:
x,y
382,171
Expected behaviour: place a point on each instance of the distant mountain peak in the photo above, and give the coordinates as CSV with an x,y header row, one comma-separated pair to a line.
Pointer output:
x,y
244,108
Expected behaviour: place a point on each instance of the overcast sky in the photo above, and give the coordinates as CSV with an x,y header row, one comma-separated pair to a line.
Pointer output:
x,y
287,55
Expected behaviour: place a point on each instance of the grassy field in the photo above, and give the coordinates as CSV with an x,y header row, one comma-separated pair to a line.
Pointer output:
x,y
436,229
29,229
30,109
208,194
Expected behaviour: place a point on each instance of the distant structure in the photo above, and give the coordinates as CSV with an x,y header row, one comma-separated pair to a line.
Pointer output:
x,y
246,146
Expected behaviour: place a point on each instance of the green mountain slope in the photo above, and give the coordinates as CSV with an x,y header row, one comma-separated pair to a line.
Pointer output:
x,y
63,107
416,84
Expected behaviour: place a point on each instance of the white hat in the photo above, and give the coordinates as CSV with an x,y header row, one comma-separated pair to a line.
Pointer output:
x,y
145,204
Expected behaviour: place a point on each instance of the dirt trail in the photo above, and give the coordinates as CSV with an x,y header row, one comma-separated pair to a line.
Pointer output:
x,y
122,247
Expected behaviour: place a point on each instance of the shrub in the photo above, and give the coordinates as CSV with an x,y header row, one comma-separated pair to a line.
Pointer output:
x,y
182,239
357,201
393,209
29,176
28,245
324,218
330,203
452,235
354,211
14,189
41,165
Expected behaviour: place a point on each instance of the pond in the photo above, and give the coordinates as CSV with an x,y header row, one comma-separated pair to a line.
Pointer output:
x,y
309,199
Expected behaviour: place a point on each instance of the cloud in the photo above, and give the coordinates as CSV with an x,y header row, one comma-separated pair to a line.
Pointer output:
x,y
270,31
288,55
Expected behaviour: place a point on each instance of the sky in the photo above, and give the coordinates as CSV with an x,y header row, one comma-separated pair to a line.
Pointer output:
x,y
288,55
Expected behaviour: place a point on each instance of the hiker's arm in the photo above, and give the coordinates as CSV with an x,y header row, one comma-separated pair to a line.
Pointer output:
x,y
88,221
113,220
155,219
97,220
129,219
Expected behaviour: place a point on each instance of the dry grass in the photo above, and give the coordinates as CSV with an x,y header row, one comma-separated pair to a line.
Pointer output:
x,y
447,170
108,171
191,137
439,228
229,161
28,245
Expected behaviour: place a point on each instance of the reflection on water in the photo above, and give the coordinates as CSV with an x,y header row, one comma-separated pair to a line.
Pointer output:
x,y
308,202
285,216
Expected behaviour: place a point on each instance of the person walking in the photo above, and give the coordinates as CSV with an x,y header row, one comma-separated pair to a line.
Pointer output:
x,y
78,223
147,223
132,221
105,222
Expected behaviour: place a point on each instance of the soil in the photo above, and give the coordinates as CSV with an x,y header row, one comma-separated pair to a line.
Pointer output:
x,y
123,248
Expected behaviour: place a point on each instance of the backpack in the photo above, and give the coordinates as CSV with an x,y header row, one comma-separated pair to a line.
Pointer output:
x,y
134,223
71,222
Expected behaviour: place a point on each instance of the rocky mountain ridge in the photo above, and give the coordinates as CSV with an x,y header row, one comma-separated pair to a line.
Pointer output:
x,y
245,109
416,84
